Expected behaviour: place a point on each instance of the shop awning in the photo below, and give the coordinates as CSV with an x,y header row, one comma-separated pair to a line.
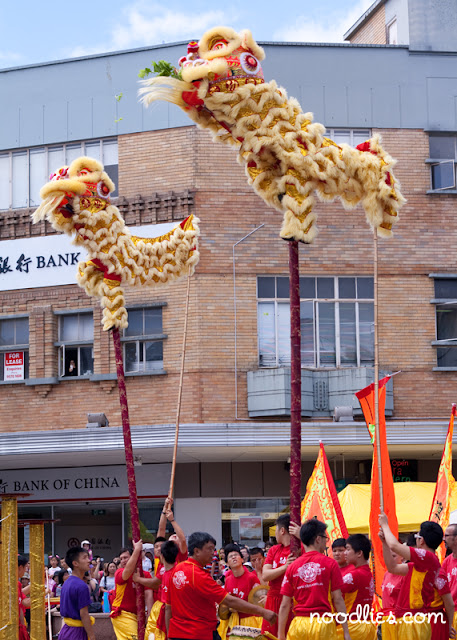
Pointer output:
x,y
413,502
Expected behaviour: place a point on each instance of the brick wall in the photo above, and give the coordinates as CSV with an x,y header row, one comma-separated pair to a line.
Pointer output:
x,y
373,31
186,159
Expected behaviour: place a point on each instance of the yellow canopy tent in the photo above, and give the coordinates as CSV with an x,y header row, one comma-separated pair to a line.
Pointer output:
x,y
413,502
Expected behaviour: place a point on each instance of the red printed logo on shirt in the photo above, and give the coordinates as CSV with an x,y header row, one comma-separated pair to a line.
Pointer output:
x,y
179,579
309,571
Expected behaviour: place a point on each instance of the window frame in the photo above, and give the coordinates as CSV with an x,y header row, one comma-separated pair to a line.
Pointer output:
x,y
336,300
436,302
47,148
62,346
330,133
25,348
389,26
435,162
140,341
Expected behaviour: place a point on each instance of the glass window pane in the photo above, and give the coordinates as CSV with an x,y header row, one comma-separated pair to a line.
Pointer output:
x,y
360,135
365,288
7,332
283,334
72,152
110,155
22,331
152,321
113,173
392,33
20,186
307,333
348,343
135,327
446,288
446,357
325,288
446,322
265,287
341,136
346,287
443,175
266,329
442,147
153,355
38,177
86,361
2,366
5,182
282,285
366,333
69,328
93,150
131,360
86,327
56,159
308,288
327,344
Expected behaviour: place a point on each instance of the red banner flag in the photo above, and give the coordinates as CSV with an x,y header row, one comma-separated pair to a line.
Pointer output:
x,y
441,505
321,500
366,398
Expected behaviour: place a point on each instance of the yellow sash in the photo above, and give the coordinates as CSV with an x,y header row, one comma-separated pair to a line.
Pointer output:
x,y
71,622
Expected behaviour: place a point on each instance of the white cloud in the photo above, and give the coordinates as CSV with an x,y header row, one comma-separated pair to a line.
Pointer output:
x,y
9,58
331,28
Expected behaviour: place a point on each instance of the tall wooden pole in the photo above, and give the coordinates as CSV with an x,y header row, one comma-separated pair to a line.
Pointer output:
x,y
376,365
295,389
37,591
133,499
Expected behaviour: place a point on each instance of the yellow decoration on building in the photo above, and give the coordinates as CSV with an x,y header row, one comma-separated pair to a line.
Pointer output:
x,y
286,156
76,201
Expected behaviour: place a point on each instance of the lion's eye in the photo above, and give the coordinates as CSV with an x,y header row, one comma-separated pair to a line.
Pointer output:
x,y
83,172
249,63
220,44
102,190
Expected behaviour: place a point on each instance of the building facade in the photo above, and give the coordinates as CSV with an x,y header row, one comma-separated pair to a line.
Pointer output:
x,y
57,364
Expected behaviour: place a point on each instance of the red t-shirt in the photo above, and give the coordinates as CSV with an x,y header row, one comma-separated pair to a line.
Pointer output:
x,y
166,585
390,589
160,572
241,586
450,569
345,569
310,580
358,587
417,590
441,588
20,597
277,557
193,596
125,594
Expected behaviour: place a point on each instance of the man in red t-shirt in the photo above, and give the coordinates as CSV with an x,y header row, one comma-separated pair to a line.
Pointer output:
x,y
417,589
239,581
450,563
279,557
358,588
124,612
193,594
314,581
339,554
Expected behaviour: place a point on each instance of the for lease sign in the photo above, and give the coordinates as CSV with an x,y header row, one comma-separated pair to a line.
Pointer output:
x,y
14,365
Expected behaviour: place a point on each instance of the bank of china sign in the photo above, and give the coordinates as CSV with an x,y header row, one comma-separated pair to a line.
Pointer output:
x,y
48,261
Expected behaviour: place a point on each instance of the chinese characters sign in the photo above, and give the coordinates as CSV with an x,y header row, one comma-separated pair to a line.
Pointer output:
x,y
14,365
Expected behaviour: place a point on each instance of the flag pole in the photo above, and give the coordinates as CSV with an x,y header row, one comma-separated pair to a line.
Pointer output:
x,y
376,366
295,389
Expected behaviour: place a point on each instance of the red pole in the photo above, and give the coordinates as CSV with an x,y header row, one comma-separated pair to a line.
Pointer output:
x,y
295,390
133,499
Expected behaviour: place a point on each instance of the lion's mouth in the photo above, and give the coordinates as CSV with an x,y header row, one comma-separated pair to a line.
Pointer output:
x,y
66,208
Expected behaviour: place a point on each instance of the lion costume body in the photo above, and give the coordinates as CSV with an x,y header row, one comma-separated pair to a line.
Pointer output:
x,y
286,156
77,201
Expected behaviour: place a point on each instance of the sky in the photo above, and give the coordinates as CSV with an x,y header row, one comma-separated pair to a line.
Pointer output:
x,y
32,31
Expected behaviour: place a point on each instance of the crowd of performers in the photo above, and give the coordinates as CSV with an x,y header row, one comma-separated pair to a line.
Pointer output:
x,y
309,595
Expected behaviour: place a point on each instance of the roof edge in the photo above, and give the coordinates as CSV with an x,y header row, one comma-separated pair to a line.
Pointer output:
x,y
363,18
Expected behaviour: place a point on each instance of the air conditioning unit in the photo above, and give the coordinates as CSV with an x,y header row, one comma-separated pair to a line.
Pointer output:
x,y
343,414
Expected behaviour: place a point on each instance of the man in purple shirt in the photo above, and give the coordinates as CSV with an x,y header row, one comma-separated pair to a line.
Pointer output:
x,y
75,598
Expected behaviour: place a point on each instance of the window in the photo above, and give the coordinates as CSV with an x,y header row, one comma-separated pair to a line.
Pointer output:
x,y
336,317
143,341
442,161
24,172
353,137
76,337
446,321
391,29
14,349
